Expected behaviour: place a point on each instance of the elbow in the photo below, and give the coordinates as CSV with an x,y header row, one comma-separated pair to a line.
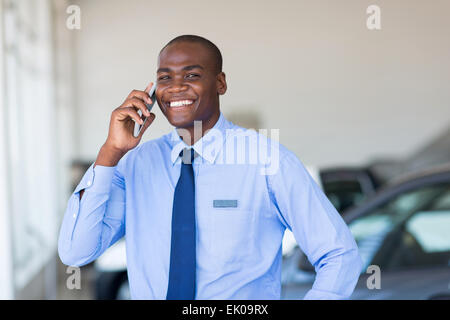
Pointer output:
x,y
71,257
353,267
353,261
65,252
67,256
78,250
357,260
358,264
355,271
360,261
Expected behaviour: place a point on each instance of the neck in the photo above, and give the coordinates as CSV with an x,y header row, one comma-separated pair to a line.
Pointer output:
x,y
195,132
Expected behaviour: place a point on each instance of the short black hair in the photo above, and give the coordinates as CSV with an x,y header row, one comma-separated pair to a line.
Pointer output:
x,y
205,42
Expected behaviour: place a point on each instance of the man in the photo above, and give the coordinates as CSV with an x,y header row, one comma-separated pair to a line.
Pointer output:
x,y
198,225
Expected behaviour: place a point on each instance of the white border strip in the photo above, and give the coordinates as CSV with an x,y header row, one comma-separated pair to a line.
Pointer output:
x,y
6,272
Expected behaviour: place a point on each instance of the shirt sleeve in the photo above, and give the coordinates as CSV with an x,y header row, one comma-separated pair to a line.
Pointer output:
x,y
96,222
319,230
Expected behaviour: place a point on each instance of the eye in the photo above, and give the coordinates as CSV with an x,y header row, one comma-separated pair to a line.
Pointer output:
x,y
163,78
192,75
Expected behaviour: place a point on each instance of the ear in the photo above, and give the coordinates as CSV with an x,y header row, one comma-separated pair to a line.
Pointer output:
x,y
221,83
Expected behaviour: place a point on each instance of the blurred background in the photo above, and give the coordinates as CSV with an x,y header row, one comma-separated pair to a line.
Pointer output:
x,y
366,110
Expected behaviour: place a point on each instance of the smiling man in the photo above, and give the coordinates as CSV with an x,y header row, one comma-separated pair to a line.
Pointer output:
x,y
197,227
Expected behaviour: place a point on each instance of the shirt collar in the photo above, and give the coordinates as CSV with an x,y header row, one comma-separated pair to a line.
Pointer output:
x,y
207,147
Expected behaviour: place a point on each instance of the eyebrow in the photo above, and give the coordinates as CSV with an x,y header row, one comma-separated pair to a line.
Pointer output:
x,y
187,68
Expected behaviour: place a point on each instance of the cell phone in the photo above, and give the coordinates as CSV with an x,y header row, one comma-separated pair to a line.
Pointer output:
x,y
138,127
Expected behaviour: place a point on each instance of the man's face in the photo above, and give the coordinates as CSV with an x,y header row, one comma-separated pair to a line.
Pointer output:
x,y
188,86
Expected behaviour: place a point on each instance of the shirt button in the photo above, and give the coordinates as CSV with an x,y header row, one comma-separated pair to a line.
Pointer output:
x,y
74,215
89,182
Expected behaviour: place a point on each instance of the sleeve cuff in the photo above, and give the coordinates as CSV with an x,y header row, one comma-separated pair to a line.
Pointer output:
x,y
97,179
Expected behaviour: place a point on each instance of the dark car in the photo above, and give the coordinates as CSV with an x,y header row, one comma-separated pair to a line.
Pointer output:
x,y
405,231
346,187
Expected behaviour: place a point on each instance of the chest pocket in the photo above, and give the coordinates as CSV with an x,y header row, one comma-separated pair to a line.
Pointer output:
x,y
233,236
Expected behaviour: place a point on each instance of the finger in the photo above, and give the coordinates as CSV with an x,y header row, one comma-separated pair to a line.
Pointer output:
x,y
150,85
142,95
146,125
138,104
124,113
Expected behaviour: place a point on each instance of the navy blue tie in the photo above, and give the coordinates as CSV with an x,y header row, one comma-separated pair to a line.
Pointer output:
x,y
182,250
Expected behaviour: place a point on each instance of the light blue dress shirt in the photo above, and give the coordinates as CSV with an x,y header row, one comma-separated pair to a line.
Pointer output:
x,y
242,210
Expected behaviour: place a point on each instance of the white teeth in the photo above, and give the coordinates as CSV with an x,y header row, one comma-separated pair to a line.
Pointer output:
x,y
180,103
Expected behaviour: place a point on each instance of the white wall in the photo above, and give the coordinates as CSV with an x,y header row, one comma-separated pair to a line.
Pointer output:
x,y
339,92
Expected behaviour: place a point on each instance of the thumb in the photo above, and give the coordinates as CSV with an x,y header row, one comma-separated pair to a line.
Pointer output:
x,y
146,125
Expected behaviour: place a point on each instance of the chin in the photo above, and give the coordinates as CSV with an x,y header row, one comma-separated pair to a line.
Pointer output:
x,y
181,122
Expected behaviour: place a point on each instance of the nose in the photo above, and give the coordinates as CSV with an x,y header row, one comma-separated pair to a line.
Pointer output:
x,y
177,86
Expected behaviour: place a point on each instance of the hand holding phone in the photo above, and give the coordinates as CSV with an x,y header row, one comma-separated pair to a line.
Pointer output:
x,y
121,137
137,126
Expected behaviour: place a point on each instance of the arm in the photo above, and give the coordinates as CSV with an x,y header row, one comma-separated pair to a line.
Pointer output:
x,y
94,218
318,228
107,157
96,222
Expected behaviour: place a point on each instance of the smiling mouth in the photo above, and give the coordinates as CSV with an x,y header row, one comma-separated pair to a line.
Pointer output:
x,y
180,103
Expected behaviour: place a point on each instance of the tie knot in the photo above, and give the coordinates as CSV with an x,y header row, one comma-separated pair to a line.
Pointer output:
x,y
187,155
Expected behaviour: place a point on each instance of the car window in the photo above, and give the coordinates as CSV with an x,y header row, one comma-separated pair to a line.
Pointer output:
x,y
431,230
385,232
424,239
442,202
343,194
